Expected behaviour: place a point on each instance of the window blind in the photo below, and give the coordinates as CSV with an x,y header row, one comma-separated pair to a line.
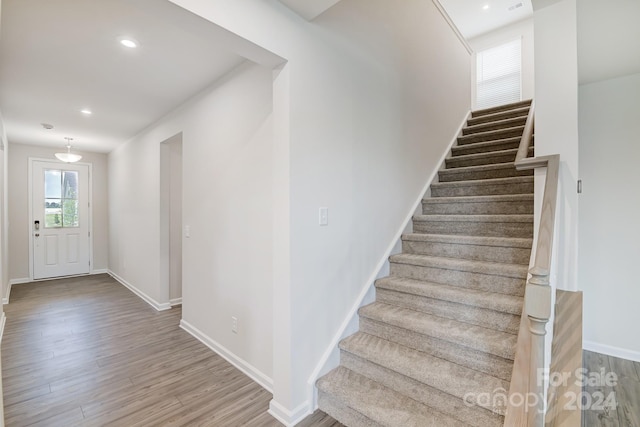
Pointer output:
x,y
498,76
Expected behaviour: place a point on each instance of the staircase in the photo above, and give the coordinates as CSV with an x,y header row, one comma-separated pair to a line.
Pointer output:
x,y
444,325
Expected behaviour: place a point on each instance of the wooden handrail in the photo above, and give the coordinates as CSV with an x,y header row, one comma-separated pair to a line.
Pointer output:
x,y
527,408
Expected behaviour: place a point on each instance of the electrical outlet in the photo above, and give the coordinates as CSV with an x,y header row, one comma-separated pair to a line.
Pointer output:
x,y
234,324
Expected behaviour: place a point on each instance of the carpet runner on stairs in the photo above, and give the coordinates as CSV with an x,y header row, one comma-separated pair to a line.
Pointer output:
x,y
438,343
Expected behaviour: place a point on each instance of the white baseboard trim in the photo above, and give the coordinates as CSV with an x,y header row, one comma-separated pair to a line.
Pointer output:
x,y
286,417
381,267
100,271
7,295
175,301
19,281
610,350
246,368
153,303
3,321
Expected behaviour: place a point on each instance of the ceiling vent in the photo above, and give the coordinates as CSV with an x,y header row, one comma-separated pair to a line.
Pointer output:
x,y
515,6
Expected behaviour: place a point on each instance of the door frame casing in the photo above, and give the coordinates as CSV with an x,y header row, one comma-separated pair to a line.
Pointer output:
x,y
30,200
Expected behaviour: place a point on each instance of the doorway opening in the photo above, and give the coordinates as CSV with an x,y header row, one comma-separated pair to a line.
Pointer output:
x,y
171,218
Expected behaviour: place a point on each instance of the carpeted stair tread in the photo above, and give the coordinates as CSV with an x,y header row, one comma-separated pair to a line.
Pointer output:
x,y
505,278
501,115
443,305
491,135
482,267
481,172
334,407
468,415
489,300
487,158
510,242
496,366
497,343
481,199
485,147
495,186
409,362
511,250
382,405
499,108
494,125
496,225
479,205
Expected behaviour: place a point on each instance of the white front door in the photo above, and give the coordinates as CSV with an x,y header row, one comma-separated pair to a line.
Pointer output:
x,y
60,219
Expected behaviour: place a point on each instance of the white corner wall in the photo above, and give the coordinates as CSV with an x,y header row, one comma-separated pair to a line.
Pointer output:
x,y
227,192
522,30
20,231
556,97
363,126
609,205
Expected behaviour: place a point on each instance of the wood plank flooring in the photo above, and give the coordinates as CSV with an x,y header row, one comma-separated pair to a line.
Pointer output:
x,y
626,391
88,352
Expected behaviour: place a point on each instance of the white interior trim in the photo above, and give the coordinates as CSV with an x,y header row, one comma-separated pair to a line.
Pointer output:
x,y
7,295
610,350
99,271
453,26
153,303
289,418
175,301
246,368
381,269
3,322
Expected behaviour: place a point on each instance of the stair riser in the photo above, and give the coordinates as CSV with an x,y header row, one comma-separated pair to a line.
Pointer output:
x,y
490,136
465,279
499,321
471,252
423,393
500,108
482,190
342,413
485,229
501,116
486,127
509,144
453,175
487,363
483,208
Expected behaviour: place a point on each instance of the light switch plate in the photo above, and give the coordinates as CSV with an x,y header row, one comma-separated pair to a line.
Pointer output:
x,y
323,216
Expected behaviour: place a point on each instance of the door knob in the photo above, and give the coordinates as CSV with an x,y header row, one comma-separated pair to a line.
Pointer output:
x,y
37,234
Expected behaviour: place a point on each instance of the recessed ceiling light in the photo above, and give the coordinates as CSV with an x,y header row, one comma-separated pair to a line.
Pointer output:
x,y
485,7
129,43
86,112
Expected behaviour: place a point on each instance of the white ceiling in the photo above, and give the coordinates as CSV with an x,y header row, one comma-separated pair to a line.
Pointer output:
x,y
60,56
472,20
608,39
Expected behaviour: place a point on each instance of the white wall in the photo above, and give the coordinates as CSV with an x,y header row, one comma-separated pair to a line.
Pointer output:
x,y
522,30
227,192
4,226
20,230
367,125
609,206
556,96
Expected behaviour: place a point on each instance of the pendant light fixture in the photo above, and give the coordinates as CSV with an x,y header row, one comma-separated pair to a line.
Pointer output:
x,y
68,157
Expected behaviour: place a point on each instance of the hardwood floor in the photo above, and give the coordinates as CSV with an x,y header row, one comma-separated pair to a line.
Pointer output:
x,y
88,352
626,391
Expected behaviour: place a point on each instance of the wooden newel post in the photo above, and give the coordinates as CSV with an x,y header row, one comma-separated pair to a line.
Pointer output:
x,y
538,308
